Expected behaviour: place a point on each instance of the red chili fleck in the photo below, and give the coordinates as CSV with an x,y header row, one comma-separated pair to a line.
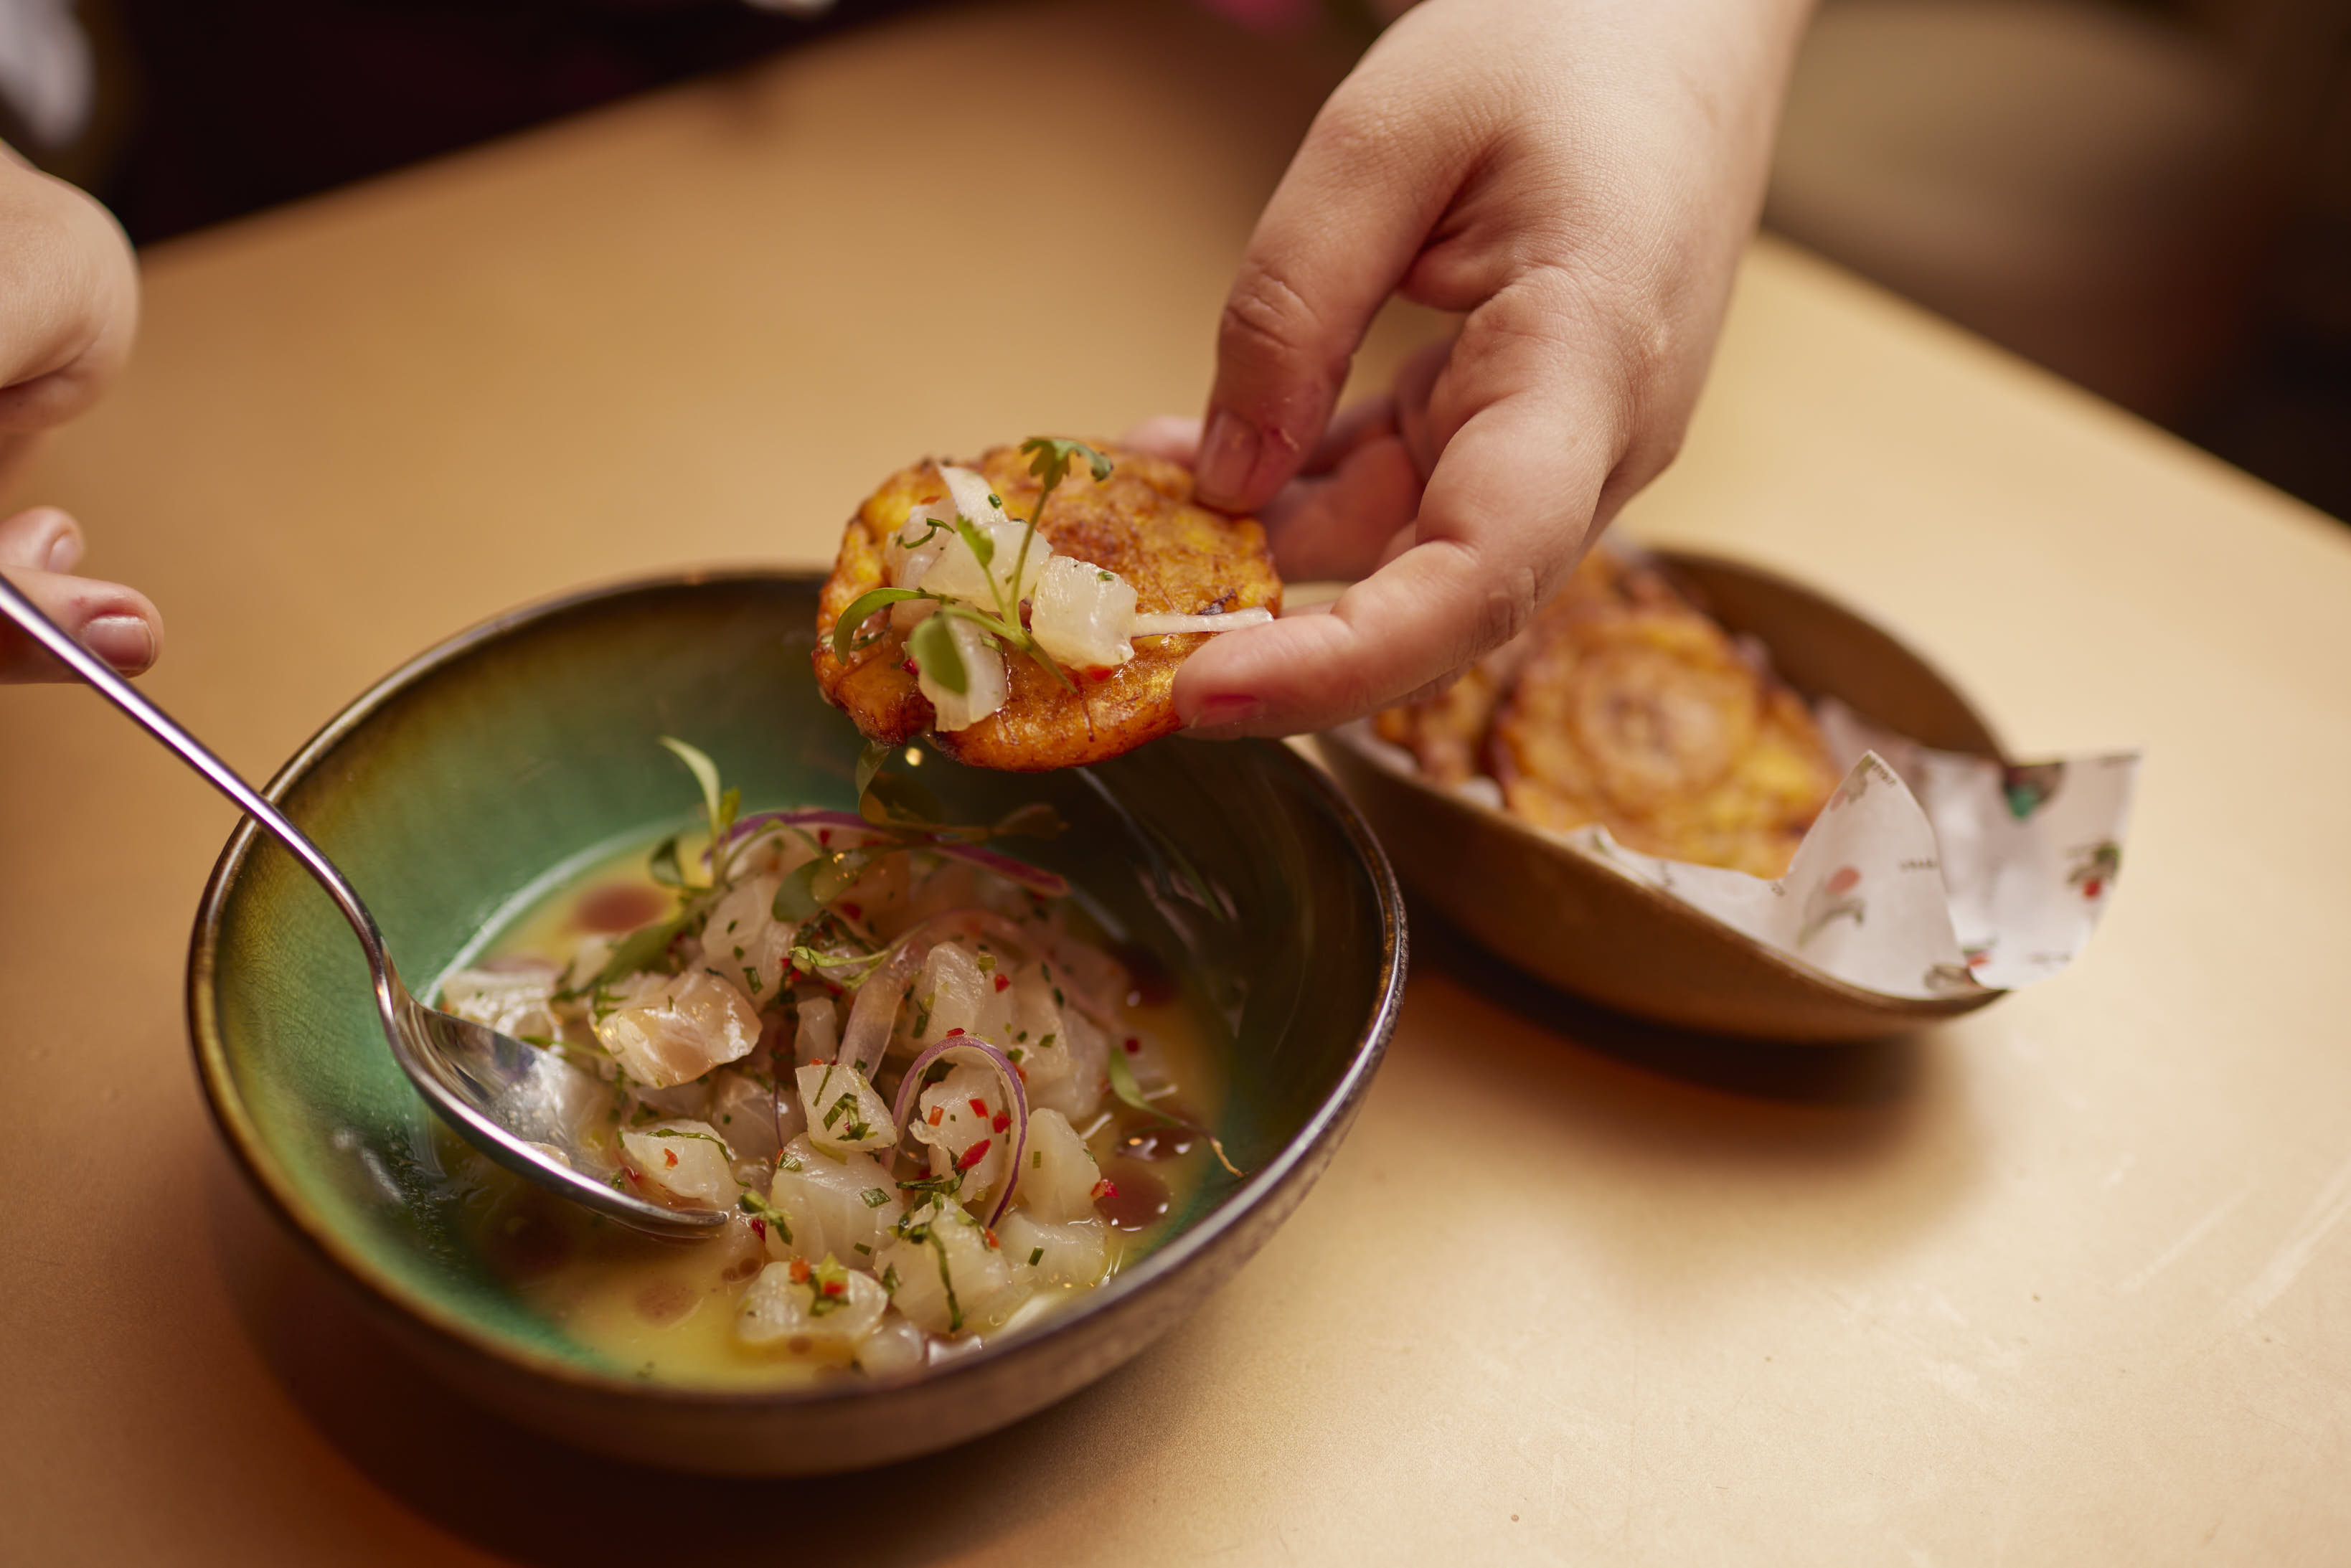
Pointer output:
x,y
1104,674
824,835
669,1157
1003,982
799,1270
1104,1188
836,1287
991,1236
1003,1122
937,1112
631,1175
978,1106
908,665
974,1154
852,911
1022,1070
2092,888
952,1033
1843,879
1133,1045
760,1229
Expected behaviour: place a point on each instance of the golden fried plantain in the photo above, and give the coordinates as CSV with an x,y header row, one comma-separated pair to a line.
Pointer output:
x,y
1623,704
1141,523
1642,715
1447,732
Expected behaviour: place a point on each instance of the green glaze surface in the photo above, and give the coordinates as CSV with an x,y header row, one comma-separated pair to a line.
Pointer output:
x,y
456,791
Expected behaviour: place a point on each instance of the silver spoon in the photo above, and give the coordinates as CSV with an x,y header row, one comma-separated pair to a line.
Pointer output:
x,y
515,1102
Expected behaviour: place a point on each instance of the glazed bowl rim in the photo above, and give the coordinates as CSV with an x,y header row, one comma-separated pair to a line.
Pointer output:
x,y
1294,1161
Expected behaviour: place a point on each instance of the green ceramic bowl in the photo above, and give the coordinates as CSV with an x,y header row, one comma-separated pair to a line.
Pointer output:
x,y
452,790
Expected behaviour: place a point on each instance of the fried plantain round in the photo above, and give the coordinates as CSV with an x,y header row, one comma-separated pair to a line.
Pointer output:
x,y
1141,523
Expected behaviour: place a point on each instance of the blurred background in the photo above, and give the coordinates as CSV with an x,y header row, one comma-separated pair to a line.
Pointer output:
x,y
2151,197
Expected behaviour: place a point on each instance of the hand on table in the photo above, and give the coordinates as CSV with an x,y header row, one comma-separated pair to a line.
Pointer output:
x,y
1579,177
68,305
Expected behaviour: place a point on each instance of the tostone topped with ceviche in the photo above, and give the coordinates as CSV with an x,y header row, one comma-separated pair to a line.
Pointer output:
x,y
935,1101
1030,610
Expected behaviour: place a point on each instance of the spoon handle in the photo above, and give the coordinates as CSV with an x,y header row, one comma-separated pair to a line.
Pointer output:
x,y
192,751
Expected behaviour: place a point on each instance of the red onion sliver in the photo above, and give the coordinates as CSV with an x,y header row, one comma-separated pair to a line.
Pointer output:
x,y
873,1015
911,1087
1044,883
809,817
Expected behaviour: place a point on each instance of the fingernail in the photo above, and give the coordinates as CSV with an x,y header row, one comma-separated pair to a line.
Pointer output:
x,y
126,642
1228,453
65,552
1225,713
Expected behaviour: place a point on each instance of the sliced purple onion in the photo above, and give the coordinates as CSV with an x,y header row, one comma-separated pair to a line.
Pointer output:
x,y
910,1088
1043,884
873,1015
807,817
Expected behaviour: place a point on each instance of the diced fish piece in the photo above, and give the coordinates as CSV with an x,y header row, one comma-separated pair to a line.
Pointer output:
x,y
958,1113
1066,1255
743,1110
685,1161
1057,1175
745,942
895,1346
515,1001
844,1113
948,1274
825,1316
841,1204
668,1029
983,671
1083,614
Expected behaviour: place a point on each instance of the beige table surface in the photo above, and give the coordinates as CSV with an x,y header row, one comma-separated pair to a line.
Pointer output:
x,y
2065,1283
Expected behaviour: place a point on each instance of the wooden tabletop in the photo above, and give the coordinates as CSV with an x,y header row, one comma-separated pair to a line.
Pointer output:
x,y
2067,1281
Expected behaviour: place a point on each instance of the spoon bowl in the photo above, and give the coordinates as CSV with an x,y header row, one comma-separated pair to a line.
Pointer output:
x,y
517,1104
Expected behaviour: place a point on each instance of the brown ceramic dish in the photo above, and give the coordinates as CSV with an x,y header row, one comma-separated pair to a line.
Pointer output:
x,y
1571,921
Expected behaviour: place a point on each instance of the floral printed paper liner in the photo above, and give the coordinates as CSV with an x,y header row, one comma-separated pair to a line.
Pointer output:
x,y
1928,874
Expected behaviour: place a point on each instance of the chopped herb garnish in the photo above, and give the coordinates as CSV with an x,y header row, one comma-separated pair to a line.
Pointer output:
x,y
874,1196
1035,1256
758,1207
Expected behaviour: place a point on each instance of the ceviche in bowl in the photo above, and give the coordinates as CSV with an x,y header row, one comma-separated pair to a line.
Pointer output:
x,y
995,1075
937,1101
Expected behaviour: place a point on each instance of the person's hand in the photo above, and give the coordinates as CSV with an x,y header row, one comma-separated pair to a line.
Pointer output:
x,y
68,305
1579,177
38,551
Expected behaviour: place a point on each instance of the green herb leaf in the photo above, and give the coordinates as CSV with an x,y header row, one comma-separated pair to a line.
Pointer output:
x,y
870,761
894,801
1049,457
933,650
758,1207
874,1196
705,773
662,865
796,898
845,631
982,547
